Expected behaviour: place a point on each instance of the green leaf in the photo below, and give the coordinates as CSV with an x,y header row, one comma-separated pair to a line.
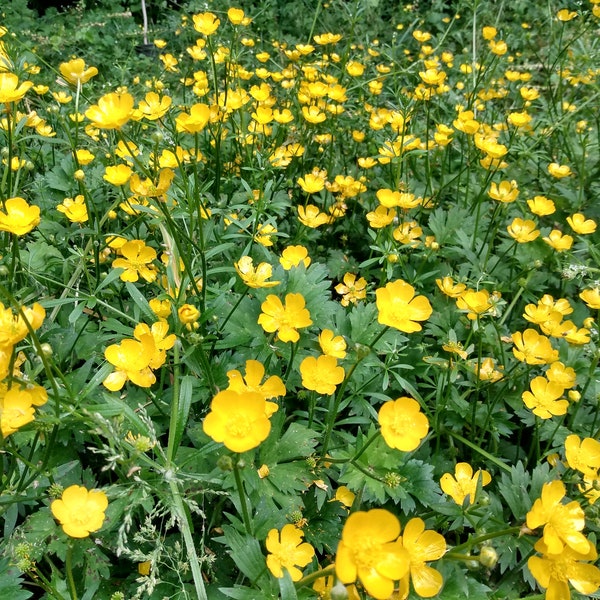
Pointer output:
x,y
40,256
286,586
244,593
459,587
246,553
10,582
185,402
140,302
297,442
520,489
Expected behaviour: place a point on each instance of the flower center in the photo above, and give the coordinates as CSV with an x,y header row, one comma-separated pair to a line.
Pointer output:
x,y
239,427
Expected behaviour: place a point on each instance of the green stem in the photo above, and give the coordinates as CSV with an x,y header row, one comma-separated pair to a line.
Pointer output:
x,y
484,537
325,572
184,526
242,494
314,23
173,428
69,571
481,451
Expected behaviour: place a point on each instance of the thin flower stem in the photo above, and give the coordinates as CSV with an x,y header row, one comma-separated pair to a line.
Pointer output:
x,y
483,538
481,451
173,427
69,571
337,398
324,572
225,321
239,484
366,445
184,526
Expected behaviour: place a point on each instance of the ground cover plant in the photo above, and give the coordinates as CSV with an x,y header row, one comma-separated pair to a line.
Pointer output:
x,y
300,305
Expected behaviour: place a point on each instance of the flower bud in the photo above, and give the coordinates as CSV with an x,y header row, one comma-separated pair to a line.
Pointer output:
x,y
46,350
488,557
338,591
225,463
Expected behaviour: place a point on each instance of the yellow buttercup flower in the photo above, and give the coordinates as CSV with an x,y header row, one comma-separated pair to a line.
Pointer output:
x,y
287,551
331,344
559,171
498,47
566,15
562,523
161,308
312,183
554,571
238,420
264,233
137,261
523,231
13,327
195,121
163,341
80,511
422,546
545,398
321,374
311,216
583,455
579,224
74,209
112,111
19,217
450,288
84,157
463,484
591,296
131,359
475,303
118,174
369,552
284,319
352,289
381,217
252,381
486,370
505,191
236,16
16,410
533,348
206,23
313,114
354,68
562,375
489,32
292,256
75,72
10,89
541,206
189,315
558,241
403,425
399,307
154,107
255,277
327,38
519,119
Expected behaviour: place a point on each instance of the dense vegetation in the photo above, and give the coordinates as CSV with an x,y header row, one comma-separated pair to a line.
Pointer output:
x,y
300,300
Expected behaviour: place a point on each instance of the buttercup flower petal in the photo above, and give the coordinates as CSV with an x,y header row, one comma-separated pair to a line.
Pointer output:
x,y
80,511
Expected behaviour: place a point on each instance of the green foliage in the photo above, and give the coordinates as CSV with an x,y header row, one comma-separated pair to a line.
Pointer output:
x,y
159,334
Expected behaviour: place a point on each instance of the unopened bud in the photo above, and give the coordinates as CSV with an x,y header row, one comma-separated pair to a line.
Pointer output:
x,y
488,557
